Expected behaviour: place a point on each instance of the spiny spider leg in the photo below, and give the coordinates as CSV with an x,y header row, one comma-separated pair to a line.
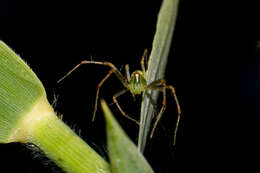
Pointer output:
x,y
128,77
113,68
127,72
97,94
153,86
178,110
66,75
118,106
142,62
163,87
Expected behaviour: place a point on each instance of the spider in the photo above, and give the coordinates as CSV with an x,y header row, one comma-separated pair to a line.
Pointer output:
x,y
135,83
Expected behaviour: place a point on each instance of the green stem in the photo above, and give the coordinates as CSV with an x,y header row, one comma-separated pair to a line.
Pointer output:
x,y
65,148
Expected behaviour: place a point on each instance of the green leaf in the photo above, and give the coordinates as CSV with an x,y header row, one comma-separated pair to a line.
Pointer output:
x,y
157,63
27,116
123,154
19,90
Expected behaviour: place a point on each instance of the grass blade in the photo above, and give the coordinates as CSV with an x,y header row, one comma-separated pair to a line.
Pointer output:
x,y
27,116
19,89
157,63
123,154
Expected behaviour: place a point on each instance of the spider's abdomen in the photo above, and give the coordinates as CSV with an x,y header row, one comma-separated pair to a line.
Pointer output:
x,y
137,82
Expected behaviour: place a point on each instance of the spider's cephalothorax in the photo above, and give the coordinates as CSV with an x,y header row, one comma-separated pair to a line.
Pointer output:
x,y
137,83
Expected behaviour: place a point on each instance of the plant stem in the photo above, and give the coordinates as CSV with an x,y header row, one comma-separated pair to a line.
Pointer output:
x,y
157,63
65,148
43,128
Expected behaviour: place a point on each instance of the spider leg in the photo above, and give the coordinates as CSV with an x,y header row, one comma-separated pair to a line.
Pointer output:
x,y
162,88
156,86
127,72
97,94
144,57
178,110
113,68
74,68
118,106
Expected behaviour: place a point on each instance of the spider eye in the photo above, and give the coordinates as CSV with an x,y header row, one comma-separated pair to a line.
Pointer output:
x,y
137,77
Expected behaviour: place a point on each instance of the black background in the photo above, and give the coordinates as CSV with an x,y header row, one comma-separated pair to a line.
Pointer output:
x,y
213,64
54,36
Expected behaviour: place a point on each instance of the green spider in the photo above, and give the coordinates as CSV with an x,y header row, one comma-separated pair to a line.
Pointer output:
x,y
136,84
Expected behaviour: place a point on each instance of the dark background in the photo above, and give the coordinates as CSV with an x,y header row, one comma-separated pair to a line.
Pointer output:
x,y
213,64
54,36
